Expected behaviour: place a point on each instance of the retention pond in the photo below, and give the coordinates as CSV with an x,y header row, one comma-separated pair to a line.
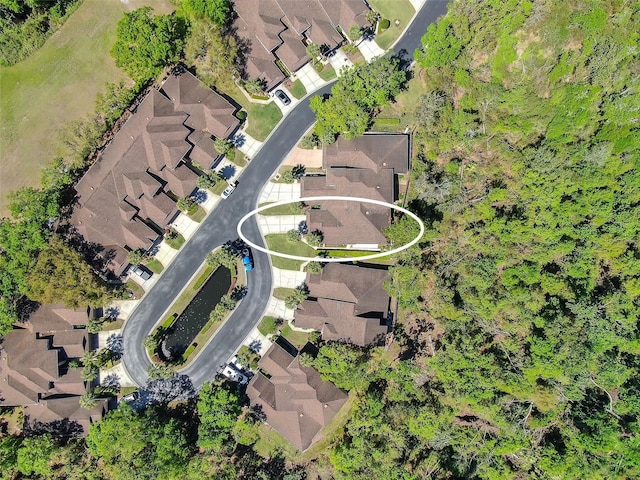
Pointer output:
x,y
187,326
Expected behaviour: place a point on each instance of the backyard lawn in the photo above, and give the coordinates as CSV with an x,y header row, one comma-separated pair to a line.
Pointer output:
x,y
280,243
55,85
392,10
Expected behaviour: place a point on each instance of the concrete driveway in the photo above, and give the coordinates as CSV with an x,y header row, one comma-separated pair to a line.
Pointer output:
x,y
276,192
279,223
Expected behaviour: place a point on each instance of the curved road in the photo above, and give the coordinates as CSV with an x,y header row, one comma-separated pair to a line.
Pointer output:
x,y
220,226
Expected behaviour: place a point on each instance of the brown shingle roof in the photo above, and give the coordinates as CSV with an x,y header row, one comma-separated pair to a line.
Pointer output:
x,y
267,25
146,159
209,112
349,223
292,52
56,409
371,151
34,370
346,302
296,401
346,13
364,167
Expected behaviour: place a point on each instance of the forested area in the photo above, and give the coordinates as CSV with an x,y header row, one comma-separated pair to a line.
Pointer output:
x,y
527,173
26,24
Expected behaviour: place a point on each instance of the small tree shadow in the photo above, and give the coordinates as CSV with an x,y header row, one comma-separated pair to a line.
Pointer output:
x,y
228,171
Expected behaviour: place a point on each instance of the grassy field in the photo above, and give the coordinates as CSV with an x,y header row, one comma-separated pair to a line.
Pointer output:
x,y
328,73
55,85
280,243
392,10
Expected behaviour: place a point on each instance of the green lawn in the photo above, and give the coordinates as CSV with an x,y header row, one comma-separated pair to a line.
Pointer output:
x,y
198,215
298,90
154,265
175,243
328,73
280,243
281,293
137,290
297,339
267,326
55,85
262,118
289,209
392,10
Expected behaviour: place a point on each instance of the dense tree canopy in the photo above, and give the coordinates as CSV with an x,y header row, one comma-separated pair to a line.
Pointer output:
x,y
529,183
145,43
61,275
355,97
218,11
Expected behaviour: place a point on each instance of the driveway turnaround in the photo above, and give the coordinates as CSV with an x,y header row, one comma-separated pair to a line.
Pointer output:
x,y
220,226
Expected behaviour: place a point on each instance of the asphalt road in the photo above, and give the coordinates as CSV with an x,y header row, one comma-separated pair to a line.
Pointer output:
x,y
220,226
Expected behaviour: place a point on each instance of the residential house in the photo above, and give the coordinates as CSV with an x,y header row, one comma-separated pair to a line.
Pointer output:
x,y
279,30
295,400
35,371
346,303
128,197
363,167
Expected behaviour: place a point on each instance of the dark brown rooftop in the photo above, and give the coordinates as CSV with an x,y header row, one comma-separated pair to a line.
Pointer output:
x,y
296,401
346,302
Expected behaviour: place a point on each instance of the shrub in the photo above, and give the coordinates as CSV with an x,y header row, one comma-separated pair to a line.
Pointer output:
x,y
314,267
288,177
315,238
293,235
310,141
384,24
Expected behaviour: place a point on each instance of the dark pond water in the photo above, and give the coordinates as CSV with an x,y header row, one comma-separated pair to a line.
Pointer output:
x,y
196,315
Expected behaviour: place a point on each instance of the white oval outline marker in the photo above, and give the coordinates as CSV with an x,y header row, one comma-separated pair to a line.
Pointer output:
x,y
329,260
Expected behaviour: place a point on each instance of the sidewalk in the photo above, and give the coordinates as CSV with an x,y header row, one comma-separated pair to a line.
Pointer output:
x,y
287,278
277,309
246,143
340,60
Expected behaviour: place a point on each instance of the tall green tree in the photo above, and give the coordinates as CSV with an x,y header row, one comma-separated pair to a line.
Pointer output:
x,y
61,275
218,408
146,43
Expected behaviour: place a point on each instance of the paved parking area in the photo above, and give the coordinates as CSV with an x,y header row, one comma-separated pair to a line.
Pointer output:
x,y
310,158
284,108
310,78
275,192
340,60
287,278
229,170
277,309
370,49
